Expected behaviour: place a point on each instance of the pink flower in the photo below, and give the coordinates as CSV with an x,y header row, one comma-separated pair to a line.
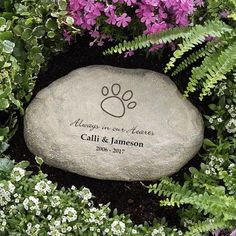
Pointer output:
x,y
155,47
67,36
123,20
199,3
154,3
128,54
111,20
148,17
94,16
155,28
130,2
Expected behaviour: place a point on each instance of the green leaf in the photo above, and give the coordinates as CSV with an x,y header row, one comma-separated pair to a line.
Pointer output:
x,y
209,143
70,20
4,104
4,131
39,58
51,24
23,164
212,107
51,34
6,165
27,34
6,36
8,46
38,32
39,160
62,4
3,146
2,24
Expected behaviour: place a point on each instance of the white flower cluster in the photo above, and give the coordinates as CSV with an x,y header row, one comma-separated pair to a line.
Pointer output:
x,y
232,167
55,201
58,228
55,229
96,216
213,164
117,227
84,194
232,110
32,230
17,174
179,232
32,203
3,221
158,232
220,90
214,120
71,214
6,190
231,126
43,186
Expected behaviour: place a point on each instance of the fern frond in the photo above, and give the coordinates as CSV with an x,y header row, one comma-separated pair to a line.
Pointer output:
x,y
207,50
197,36
204,226
214,68
145,41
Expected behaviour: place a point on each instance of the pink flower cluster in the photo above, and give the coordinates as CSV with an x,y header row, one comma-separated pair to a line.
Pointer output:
x,y
153,15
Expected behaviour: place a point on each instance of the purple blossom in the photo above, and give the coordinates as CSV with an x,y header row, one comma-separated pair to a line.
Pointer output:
x,y
123,20
130,2
148,17
129,54
67,36
154,15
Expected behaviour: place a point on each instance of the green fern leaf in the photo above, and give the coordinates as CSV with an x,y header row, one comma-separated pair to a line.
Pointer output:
x,y
145,41
197,36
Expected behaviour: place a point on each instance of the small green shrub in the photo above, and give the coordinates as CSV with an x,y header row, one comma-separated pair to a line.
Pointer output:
x,y
33,205
29,34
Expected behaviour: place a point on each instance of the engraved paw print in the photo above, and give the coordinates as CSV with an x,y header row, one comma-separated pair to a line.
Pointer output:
x,y
114,104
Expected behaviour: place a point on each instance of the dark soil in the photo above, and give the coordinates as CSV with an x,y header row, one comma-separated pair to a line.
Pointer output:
x,y
128,197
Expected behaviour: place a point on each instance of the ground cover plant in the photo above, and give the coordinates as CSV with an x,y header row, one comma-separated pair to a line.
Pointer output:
x,y
31,31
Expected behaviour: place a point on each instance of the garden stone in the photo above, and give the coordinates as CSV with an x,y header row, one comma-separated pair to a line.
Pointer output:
x,y
112,123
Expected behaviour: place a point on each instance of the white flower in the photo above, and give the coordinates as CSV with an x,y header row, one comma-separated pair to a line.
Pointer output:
x,y
158,232
57,223
55,232
32,230
17,173
85,194
5,194
55,201
117,227
106,231
211,120
231,126
49,217
73,187
71,214
11,187
219,120
43,187
32,203
134,231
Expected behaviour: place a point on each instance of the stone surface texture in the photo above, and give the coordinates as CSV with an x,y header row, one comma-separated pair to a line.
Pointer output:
x,y
113,123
